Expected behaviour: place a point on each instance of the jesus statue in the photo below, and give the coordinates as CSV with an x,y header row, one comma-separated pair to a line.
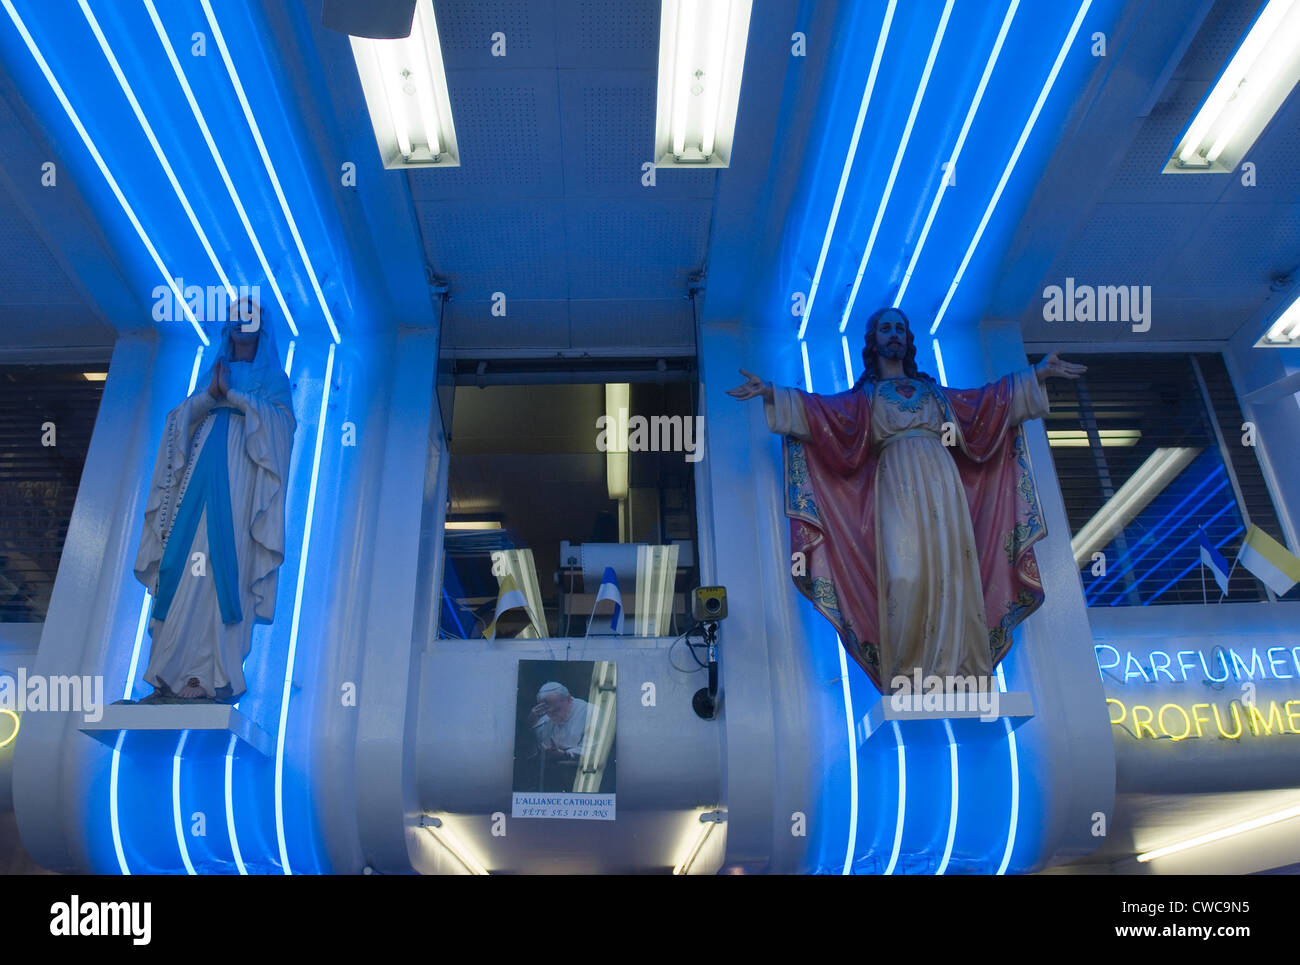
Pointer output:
x,y
213,537
912,507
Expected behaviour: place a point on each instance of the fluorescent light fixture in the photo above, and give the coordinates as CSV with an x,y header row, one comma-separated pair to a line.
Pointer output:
x,y
807,369
708,821
406,93
938,361
1285,330
1078,438
1160,469
443,835
617,395
848,165
898,160
701,61
1258,78
1254,824
94,376
473,524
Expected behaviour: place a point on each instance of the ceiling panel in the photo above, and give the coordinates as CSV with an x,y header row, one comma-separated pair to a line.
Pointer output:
x,y
1209,245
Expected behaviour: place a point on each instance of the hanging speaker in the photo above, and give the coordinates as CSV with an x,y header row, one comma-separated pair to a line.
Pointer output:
x,y
376,19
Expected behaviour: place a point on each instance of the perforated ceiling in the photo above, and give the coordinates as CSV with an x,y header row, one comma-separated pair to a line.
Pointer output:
x,y
550,207
1208,245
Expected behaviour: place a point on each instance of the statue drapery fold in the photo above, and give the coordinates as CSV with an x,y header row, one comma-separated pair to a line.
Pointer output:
x,y
197,631
832,455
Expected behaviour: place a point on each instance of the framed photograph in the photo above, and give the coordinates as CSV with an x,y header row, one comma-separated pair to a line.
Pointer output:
x,y
565,722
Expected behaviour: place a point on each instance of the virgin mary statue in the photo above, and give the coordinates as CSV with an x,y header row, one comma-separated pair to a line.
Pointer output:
x,y
213,537
912,507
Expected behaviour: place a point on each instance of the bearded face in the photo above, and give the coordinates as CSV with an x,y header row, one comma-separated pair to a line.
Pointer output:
x,y
891,336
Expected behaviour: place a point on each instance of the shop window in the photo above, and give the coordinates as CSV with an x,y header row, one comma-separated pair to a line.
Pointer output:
x,y
557,526
47,414
1148,451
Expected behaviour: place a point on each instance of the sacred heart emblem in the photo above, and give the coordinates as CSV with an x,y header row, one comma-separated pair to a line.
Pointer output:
x,y
906,389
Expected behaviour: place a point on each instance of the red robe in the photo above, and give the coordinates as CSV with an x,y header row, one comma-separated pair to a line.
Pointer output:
x,y
830,499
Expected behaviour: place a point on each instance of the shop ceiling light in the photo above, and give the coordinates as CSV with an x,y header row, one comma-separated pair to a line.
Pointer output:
x,y
1078,438
1261,822
701,61
1258,78
617,395
406,92
1160,469
1285,330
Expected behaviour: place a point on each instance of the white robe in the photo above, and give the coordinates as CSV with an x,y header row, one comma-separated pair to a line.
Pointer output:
x,y
566,735
193,642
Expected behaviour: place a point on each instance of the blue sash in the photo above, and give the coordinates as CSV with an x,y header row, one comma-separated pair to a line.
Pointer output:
x,y
209,489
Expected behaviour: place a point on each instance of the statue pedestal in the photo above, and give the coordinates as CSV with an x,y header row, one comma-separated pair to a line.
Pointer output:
x,y
166,722
968,722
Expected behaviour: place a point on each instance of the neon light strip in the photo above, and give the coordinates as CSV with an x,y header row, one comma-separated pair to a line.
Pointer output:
x,y
112,798
902,800
270,168
1253,825
950,173
952,804
230,806
177,820
938,360
1011,162
297,614
1150,534
103,167
1165,559
1014,755
221,165
230,749
807,372
848,362
848,164
1152,531
853,763
17,724
133,668
157,148
898,160
1190,568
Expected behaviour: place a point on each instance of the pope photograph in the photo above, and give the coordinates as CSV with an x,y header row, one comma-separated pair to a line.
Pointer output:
x,y
913,511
